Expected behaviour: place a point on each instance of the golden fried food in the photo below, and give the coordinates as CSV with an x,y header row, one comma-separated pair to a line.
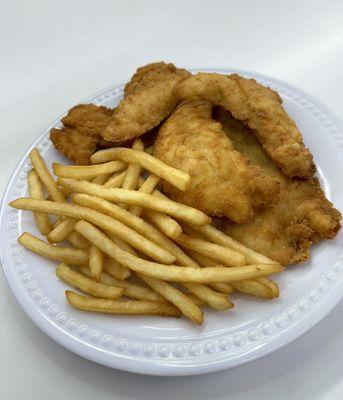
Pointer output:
x,y
258,107
88,118
148,73
149,99
302,216
74,145
80,135
222,181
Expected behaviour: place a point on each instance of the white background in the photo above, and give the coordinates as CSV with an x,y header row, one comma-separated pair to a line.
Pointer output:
x,y
55,53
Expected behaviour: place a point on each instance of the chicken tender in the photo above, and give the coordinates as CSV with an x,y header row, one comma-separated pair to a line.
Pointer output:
x,y
80,136
73,144
222,181
149,99
302,216
258,107
147,74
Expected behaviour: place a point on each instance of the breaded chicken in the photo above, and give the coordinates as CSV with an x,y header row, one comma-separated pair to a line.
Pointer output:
x,y
147,74
222,181
80,136
73,144
302,216
149,99
259,108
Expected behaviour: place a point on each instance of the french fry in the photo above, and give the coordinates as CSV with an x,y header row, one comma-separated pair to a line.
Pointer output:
x,y
202,260
209,263
132,290
254,288
87,285
62,254
217,301
87,171
123,245
124,216
176,297
78,241
36,191
217,236
205,294
116,270
129,307
195,299
132,197
217,252
103,221
96,262
165,223
133,170
175,177
101,179
223,287
186,305
45,176
273,286
147,186
172,272
260,287
162,221
61,231
66,192
116,180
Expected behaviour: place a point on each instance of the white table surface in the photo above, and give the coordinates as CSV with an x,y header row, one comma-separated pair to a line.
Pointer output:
x,y
54,54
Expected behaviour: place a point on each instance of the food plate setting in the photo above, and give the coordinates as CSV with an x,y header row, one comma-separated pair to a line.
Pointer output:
x,y
157,345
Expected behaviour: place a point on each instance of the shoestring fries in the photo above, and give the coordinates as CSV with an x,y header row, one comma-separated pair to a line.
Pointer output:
x,y
36,191
135,251
171,175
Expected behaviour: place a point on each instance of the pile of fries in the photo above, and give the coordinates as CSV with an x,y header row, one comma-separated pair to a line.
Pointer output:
x,y
129,248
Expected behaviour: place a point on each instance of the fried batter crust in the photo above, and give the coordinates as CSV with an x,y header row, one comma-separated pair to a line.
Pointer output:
x,y
259,108
149,99
222,181
302,216
80,135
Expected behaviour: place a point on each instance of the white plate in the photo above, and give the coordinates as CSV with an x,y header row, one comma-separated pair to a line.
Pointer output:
x,y
157,346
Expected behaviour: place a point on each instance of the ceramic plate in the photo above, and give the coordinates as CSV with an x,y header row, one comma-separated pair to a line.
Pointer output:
x,y
157,346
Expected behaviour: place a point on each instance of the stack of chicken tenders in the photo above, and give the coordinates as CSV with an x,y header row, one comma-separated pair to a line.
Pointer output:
x,y
247,160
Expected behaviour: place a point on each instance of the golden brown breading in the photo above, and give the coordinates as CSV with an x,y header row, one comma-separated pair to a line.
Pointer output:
x,y
301,217
88,118
258,107
80,136
73,144
222,181
149,99
148,73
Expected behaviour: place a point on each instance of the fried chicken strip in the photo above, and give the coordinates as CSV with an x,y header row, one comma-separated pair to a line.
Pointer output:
x,y
258,107
149,99
302,216
80,135
222,181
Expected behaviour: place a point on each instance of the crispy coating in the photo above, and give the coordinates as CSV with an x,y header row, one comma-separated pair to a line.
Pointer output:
x,y
146,74
88,118
302,216
149,99
73,144
222,181
258,107
80,136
